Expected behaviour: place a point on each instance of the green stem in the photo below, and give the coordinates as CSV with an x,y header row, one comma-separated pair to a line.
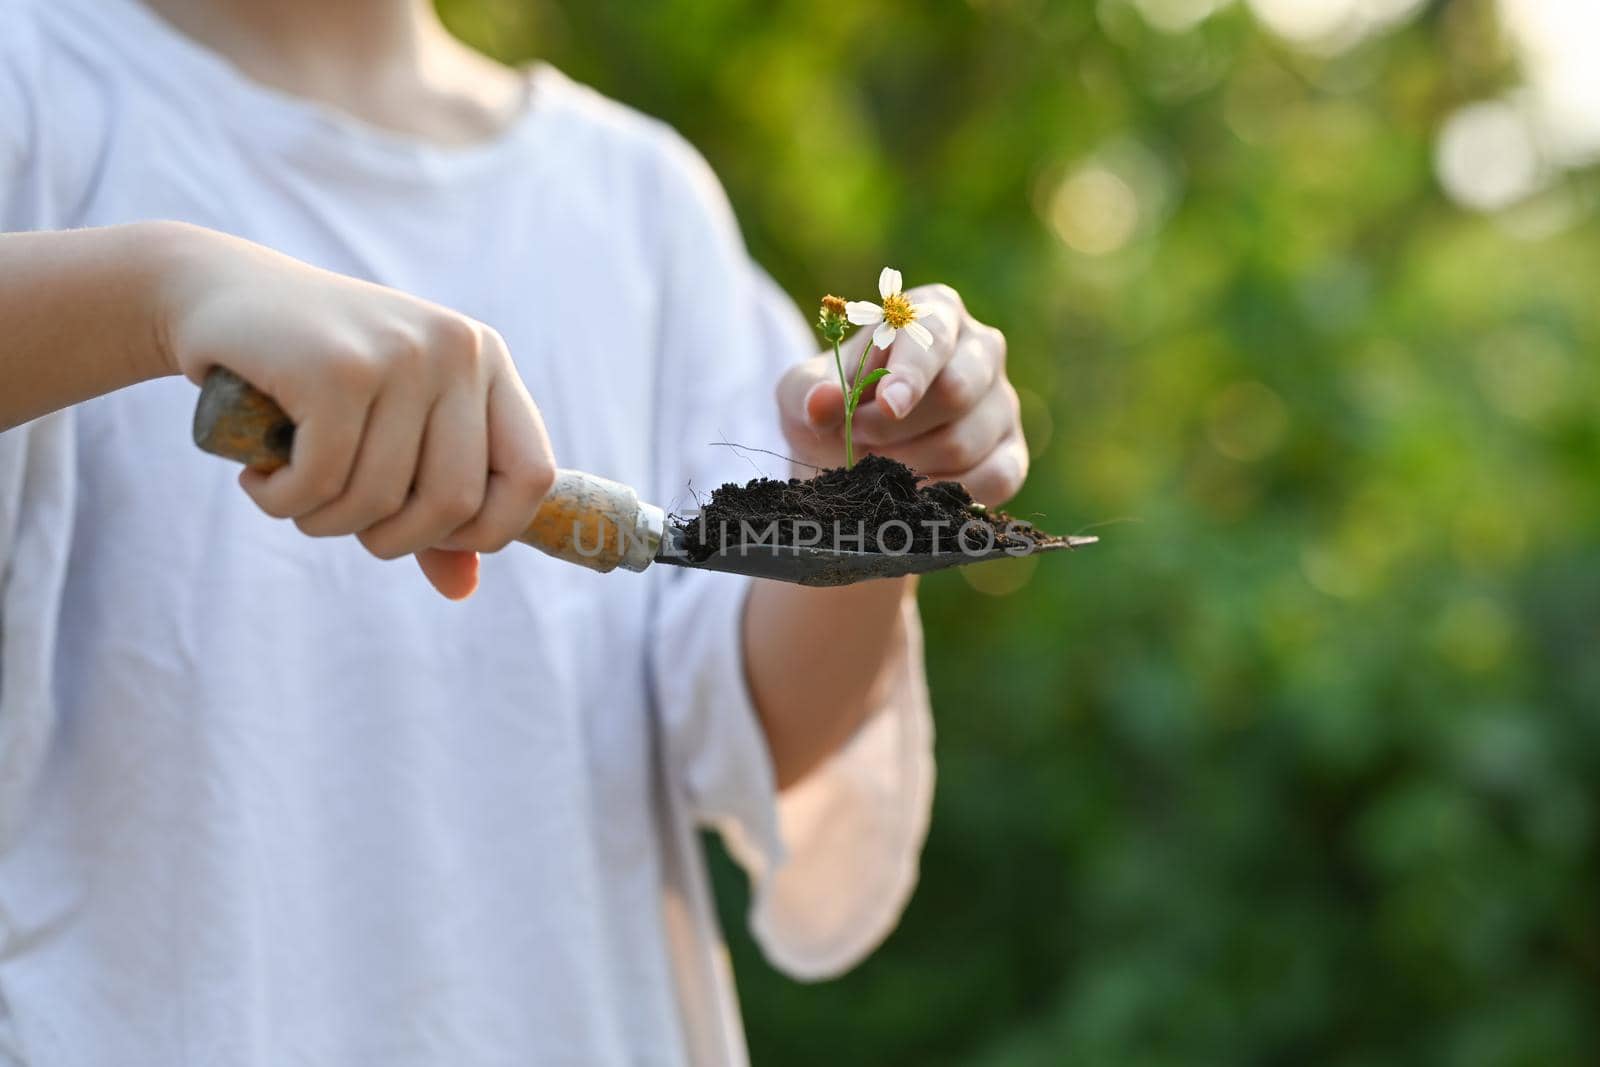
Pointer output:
x,y
849,408
852,398
865,352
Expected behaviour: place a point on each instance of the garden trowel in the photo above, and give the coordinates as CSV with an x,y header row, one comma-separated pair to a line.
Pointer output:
x,y
588,520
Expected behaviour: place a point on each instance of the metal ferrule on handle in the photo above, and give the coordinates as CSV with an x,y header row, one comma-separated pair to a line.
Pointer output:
x,y
591,521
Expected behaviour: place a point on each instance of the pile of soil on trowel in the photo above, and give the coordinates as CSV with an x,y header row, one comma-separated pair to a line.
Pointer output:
x,y
877,494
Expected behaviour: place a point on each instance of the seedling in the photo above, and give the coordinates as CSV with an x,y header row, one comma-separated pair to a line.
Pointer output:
x,y
896,313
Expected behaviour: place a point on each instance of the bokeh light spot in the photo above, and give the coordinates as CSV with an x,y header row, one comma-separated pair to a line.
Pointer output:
x,y
1331,573
1557,41
1038,425
1002,577
1487,158
1354,563
1331,25
1095,211
1125,190
1303,20
1247,421
1177,16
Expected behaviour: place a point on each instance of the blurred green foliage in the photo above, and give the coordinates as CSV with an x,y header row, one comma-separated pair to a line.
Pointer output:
x,y
1300,765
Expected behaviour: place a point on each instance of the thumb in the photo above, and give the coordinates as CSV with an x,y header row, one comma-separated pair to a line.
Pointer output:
x,y
823,406
809,396
454,574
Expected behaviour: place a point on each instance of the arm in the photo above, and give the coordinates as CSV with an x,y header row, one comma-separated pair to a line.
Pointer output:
x,y
954,416
414,431
76,310
808,709
833,859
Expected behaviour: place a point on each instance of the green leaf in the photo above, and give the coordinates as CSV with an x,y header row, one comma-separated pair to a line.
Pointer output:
x,y
861,385
871,378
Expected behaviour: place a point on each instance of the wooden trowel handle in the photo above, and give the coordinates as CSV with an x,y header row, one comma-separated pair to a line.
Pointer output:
x,y
593,522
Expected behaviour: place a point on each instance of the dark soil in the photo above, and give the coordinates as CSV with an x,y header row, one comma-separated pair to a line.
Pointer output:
x,y
874,506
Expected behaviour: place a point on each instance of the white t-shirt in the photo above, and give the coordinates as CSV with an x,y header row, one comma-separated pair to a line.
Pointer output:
x,y
265,800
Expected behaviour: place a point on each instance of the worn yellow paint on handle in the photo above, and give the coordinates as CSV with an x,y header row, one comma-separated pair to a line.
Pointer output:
x,y
584,520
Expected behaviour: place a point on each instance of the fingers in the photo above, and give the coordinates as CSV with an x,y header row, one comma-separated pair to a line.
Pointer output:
x,y
796,389
454,574
966,379
521,471
326,442
451,480
823,408
946,408
996,478
798,407
412,427
380,483
811,411
963,444
913,368
450,459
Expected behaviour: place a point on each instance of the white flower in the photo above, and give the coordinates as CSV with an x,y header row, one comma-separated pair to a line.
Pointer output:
x,y
897,313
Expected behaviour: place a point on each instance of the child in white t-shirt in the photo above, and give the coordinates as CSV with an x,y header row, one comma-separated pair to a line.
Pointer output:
x,y
265,799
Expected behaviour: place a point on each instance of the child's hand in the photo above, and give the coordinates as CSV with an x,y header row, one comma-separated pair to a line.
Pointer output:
x,y
948,412
414,431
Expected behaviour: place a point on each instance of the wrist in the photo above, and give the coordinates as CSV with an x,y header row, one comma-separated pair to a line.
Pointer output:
x,y
173,258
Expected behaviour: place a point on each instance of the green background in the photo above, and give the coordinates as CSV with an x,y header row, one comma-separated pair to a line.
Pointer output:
x,y
1300,765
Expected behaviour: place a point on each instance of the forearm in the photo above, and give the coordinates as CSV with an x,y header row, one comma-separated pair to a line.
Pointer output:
x,y
816,661
79,311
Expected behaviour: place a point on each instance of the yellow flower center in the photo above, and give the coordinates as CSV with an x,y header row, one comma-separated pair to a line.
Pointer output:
x,y
897,311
